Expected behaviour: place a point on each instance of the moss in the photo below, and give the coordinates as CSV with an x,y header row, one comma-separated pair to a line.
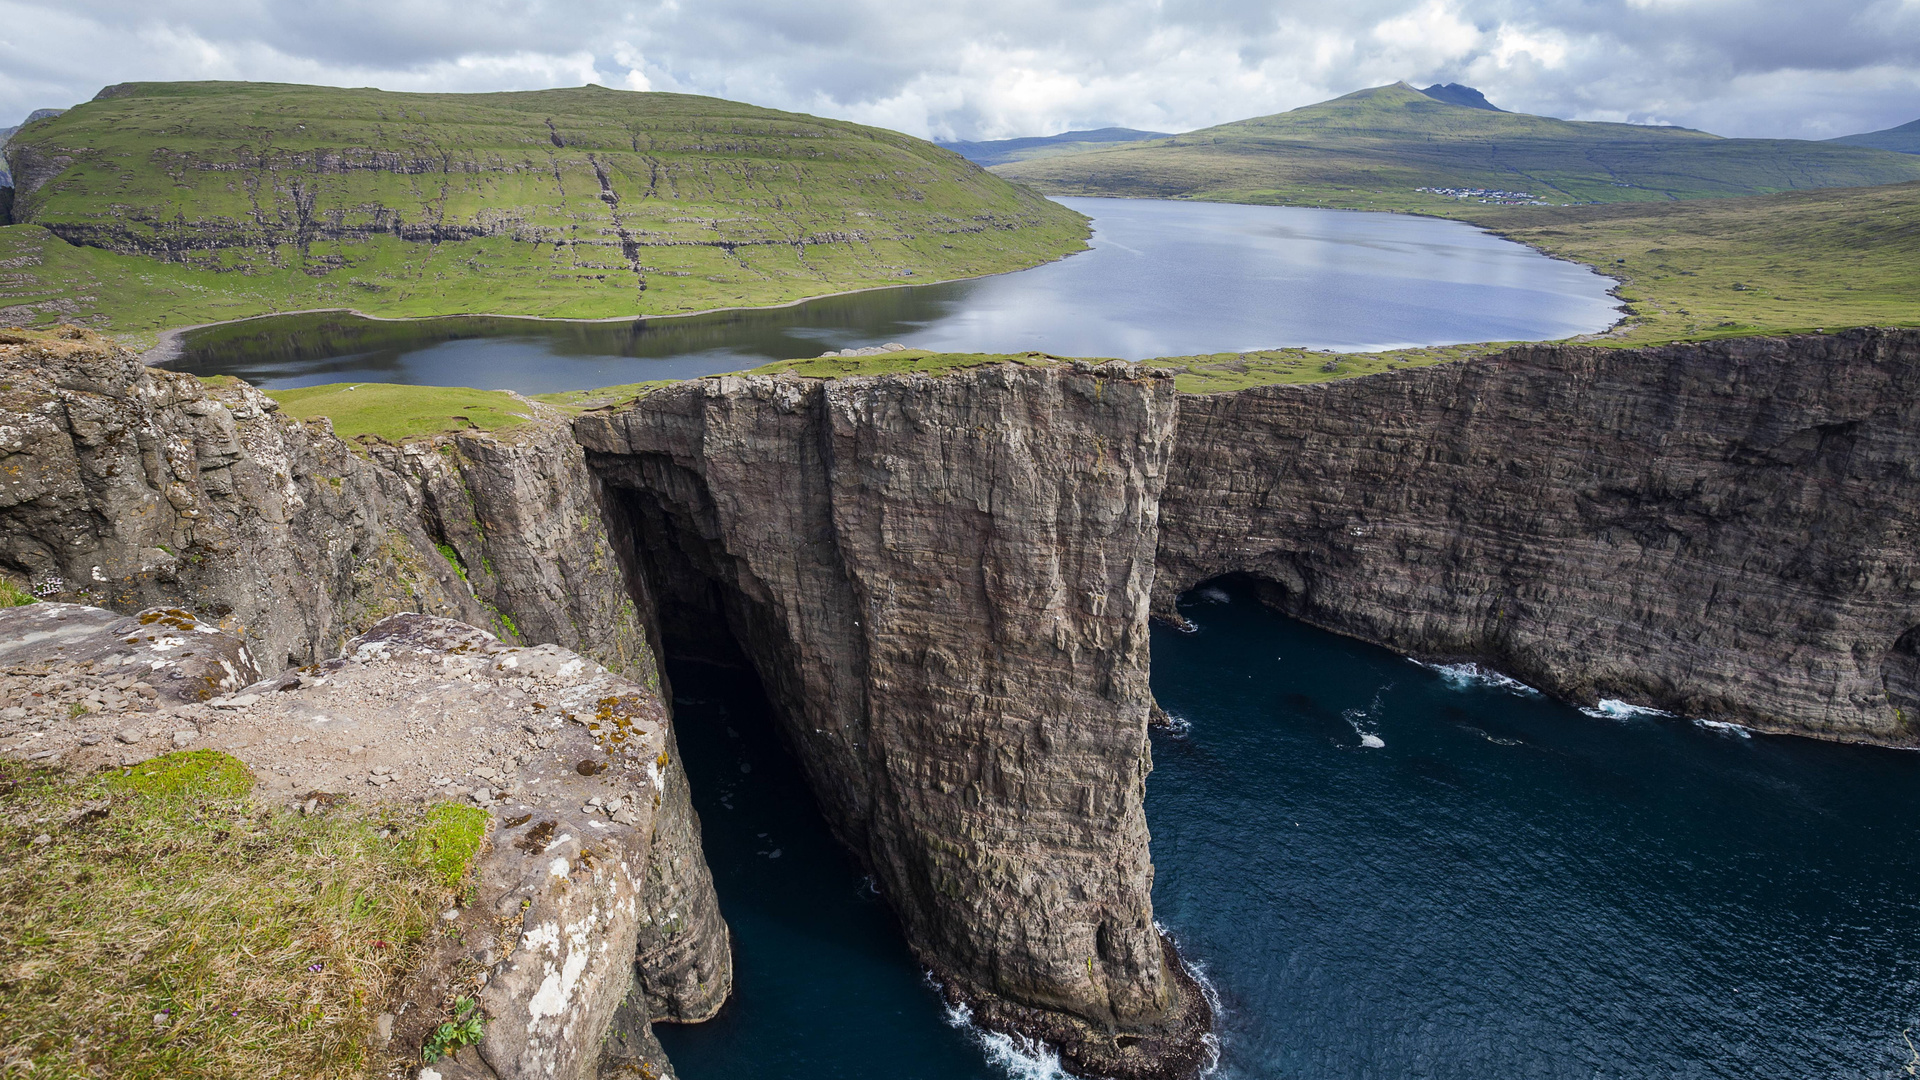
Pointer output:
x,y
453,559
189,774
448,839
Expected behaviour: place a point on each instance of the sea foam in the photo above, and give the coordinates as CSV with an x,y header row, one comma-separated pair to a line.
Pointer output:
x,y
1021,1058
1615,709
1469,676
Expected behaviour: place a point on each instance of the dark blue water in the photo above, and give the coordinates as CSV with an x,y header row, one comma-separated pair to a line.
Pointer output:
x,y
1504,887
1161,279
1510,888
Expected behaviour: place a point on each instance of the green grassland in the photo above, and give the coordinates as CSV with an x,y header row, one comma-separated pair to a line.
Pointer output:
x,y
1728,267
1372,149
395,412
184,203
158,922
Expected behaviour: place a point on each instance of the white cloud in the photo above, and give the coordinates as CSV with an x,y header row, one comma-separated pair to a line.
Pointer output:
x,y
999,68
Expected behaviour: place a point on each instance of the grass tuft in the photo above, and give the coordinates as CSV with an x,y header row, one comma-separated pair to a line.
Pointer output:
x,y
156,924
448,839
12,595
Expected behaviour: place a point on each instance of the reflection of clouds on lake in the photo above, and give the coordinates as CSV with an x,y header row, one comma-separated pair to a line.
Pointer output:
x,y
1161,279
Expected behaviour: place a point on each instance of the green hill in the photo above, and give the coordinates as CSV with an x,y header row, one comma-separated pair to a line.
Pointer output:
x,y
1376,148
1904,139
163,204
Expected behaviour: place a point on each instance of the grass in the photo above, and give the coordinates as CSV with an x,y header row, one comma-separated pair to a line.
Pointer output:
x,y
895,363
1372,149
167,927
397,413
1237,371
12,595
1733,267
194,202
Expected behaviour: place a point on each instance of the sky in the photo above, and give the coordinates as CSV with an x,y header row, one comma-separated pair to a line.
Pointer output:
x,y
988,69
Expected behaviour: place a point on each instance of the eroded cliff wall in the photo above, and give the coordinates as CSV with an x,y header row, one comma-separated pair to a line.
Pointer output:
x,y
130,487
1723,530
944,585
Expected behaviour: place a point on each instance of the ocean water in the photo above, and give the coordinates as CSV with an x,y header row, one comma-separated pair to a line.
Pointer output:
x,y
1384,870
1505,886
1162,278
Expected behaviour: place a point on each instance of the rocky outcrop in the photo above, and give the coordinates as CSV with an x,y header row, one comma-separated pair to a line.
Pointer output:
x,y
944,584
590,894
129,487
1724,530
161,655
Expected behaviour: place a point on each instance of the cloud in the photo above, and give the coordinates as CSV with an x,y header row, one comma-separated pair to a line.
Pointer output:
x,y
1000,68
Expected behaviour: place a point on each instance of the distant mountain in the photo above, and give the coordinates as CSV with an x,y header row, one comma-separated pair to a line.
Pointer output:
x,y
1455,94
1395,147
1904,139
1001,151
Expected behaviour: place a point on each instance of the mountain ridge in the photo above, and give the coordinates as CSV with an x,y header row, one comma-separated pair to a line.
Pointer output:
x,y
1396,147
1903,139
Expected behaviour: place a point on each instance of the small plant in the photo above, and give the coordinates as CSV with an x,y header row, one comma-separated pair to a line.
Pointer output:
x,y
77,709
12,595
466,1028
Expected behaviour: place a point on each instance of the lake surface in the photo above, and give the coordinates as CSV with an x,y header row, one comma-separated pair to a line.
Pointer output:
x,y
1163,278
1504,887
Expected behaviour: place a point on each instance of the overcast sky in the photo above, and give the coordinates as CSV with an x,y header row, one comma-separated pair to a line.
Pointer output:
x,y
1002,68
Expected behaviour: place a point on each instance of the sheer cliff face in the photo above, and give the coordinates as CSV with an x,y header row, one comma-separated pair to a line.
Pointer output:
x,y
130,487
944,584
1722,530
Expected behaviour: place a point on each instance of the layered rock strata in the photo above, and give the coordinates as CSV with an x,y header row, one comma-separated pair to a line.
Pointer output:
x,y
128,487
1724,530
944,585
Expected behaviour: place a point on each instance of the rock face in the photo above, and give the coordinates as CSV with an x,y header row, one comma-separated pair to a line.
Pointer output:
x,y
1724,530
944,584
129,487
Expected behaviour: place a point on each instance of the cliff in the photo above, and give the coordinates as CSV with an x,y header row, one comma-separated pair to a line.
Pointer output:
x,y
129,487
1722,530
943,584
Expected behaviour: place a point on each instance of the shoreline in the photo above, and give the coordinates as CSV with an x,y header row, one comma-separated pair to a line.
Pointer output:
x,y
168,348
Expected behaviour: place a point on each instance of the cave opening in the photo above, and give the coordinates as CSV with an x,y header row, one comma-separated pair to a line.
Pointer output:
x,y
817,950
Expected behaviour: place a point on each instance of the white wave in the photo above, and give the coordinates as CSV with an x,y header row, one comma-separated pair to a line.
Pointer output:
x,y
1213,594
1467,676
1022,1058
1615,709
1363,725
1177,726
1211,1040
1725,728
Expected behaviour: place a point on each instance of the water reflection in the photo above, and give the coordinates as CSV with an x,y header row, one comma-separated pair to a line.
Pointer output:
x,y
1162,279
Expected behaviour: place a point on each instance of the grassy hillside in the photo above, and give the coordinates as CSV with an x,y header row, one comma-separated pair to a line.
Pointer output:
x,y
1904,139
176,203
1374,149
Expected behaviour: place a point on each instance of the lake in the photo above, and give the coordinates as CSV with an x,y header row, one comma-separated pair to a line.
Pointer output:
x,y
1504,886
1162,278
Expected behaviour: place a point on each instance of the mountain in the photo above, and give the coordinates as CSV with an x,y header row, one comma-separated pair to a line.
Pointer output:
x,y
1001,151
214,200
1904,139
1390,147
1456,94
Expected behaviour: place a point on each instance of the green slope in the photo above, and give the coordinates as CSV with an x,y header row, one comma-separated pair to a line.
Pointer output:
x,y
1904,139
1000,151
213,200
1373,149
